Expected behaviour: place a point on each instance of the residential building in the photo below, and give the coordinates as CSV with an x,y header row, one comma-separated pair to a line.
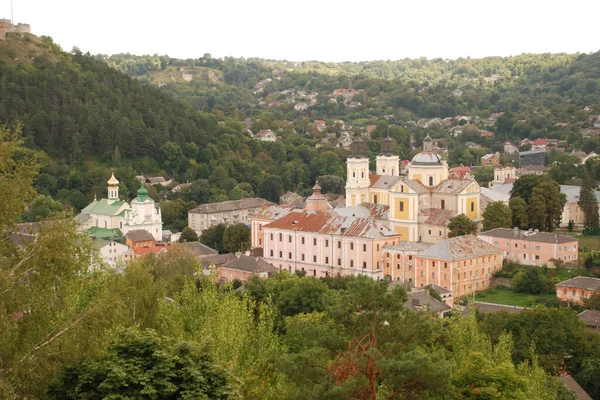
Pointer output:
x,y
421,300
426,186
534,157
510,148
323,243
243,267
112,213
462,265
225,212
460,172
158,180
591,319
539,144
490,159
265,215
112,254
575,290
531,170
532,247
199,250
266,135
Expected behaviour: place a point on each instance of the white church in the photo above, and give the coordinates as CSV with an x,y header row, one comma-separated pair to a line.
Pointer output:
x,y
110,214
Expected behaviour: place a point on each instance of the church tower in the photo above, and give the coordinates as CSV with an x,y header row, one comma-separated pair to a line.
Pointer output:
x,y
316,202
357,169
428,167
113,189
387,162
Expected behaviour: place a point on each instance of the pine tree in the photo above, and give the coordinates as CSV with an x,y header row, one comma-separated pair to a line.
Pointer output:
x,y
587,201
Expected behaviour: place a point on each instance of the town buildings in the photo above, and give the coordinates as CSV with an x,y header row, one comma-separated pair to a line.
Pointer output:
x,y
533,157
243,267
425,197
462,265
510,148
532,247
490,159
575,290
112,214
225,212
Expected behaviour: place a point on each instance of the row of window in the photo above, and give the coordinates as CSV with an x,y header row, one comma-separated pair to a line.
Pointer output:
x,y
314,259
339,242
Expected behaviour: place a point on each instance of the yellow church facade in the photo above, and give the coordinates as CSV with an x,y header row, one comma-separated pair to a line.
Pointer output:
x,y
421,202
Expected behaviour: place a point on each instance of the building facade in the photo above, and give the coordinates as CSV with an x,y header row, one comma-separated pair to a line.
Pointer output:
x,y
533,157
412,198
577,289
462,265
532,247
225,212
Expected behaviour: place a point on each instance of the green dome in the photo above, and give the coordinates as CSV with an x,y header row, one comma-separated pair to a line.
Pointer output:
x,y
142,191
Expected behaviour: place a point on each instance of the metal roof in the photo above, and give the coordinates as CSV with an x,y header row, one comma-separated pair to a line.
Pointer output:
x,y
582,282
226,206
103,207
530,236
458,248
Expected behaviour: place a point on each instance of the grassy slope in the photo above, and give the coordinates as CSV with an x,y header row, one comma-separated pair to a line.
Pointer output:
x,y
508,297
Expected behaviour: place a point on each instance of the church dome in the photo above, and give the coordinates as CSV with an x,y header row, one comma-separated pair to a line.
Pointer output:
x,y
426,158
113,181
142,191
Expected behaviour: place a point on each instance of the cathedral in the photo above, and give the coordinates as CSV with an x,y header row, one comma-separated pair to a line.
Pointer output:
x,y
113,214
421,202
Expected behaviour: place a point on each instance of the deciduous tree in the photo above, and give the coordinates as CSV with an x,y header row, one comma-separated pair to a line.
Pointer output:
x,y
461,225
496,215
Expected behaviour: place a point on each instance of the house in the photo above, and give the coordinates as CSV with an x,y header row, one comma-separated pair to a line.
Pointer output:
x,y
457,92
597,123
225,212
180,187
526,141
112,254
421,300
510,148
539,144
266,135
460,172
574,387
292,199
577,289
321,125
534,157
243,267
198,250
591,319
485,133
426,186
456,131
490,159
141,243
272,212
371,128
531,170
532,247
112,214
462,265
158,180
345,141
213,262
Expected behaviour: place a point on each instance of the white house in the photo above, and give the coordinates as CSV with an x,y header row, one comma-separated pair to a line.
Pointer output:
x,y
113,254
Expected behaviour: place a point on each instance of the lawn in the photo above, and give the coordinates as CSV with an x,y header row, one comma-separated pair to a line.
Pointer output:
x,y
590,242
506,296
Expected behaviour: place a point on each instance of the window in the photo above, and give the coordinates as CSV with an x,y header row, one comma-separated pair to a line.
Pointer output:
x,y
495,243
281,254
431,181
377,264
472,206
302,239
430,232
377,246
260,242
410,257
398,266
445,277
302,257
443,204
433,263
271,236
375,198
326,260
339,244
565,290
351,263
290,239
524,256
364,264
351,246
314,241
326,243
537,257
290,255
422,273
315,259
339,261
516,245
445,265
271,253
524,246
364,247
410,267
280,237
433,274
401,206
440,234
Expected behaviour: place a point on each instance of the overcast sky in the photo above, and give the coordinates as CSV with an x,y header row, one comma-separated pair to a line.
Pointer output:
x,y
326,30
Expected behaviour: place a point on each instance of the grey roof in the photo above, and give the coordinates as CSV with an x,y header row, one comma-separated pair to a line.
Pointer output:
x,y
99,243
139,235
544,237
386,182
409,246
436,216
458,248
582,282
486,308
574,387
426,158
453,186
440,289
216,259
572,193
590,318
232,205
365,210
415,185
494,195
526,153
250,264
422,299
198,249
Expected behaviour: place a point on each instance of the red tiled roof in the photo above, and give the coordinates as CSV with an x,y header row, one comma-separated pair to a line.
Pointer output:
x,y
461,171
144,251
374,178
371,128
539,141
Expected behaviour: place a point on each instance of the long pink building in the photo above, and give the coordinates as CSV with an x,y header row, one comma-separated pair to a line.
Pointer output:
x,y
532,247
323,243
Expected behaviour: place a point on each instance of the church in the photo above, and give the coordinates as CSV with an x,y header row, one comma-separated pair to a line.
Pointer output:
x,y
117,217
421,202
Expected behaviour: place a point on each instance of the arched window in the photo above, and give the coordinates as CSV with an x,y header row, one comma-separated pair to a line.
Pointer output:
x,y
362,174
354,174
431,181
383,170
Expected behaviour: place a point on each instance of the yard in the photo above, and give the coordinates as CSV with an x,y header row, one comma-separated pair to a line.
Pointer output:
x,y
504,295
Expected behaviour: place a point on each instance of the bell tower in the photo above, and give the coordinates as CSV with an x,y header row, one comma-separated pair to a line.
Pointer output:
x,y
113,189
387,162
357,170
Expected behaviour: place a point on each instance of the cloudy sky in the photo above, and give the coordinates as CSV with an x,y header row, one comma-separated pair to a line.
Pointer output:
x,y
327,30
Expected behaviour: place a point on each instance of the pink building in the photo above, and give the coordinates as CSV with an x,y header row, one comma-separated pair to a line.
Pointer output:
x,y
323,243
532,247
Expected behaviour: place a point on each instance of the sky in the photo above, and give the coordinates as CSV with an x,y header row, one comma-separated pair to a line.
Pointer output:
x,y
324,30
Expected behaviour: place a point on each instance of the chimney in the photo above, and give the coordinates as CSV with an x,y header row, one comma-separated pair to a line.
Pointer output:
x,y
238,254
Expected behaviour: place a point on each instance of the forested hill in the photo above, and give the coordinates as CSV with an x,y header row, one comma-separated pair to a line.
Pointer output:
x,y
73,106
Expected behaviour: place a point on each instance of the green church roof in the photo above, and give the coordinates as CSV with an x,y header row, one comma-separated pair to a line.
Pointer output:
x,y
142,195
104,233
103,207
